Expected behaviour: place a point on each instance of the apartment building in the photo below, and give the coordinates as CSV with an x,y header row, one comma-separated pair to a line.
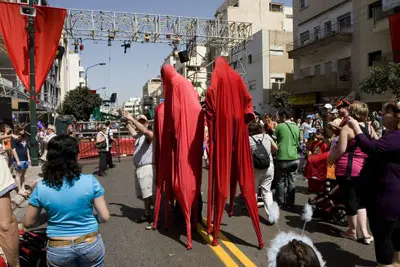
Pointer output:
x,y
263,61
336,43
371,44
133,106
76,72
151,93
321,50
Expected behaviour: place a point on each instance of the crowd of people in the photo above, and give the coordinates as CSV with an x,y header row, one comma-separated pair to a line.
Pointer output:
x,y
363,156
363,153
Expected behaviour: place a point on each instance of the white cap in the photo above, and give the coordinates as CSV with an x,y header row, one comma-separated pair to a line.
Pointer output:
x,y
328,106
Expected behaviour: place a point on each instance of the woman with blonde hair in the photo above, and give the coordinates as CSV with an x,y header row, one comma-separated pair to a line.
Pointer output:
x,y
381,184
349,160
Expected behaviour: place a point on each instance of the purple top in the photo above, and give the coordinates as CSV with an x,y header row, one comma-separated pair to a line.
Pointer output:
x,y
383,167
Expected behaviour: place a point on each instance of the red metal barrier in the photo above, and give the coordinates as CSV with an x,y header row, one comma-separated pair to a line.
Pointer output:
x,y
123,145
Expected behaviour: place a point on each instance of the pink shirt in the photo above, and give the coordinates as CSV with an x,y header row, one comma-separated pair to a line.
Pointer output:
x,y
358,161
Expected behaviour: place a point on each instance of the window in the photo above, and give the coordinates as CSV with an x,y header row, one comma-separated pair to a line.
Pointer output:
x,y
328,27
317,70
289,16
344,22
374,57
344,64
304,37
372,8
303,3
249,59
305,72
328,67
278,80
274,7
234,65
276,52
317,30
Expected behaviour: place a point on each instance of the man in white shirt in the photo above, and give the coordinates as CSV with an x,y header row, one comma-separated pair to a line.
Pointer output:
x,y
111,140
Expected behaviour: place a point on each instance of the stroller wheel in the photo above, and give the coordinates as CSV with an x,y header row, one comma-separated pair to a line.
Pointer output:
x,y
339,216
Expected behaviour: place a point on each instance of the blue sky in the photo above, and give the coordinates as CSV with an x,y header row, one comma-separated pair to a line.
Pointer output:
x,y
127,73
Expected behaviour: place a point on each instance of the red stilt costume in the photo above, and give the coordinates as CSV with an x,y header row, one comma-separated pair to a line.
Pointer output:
x,y
228,109
181,146
160,165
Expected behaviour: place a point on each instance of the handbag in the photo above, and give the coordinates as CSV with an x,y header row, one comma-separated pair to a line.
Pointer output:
x,y
101,145
299,147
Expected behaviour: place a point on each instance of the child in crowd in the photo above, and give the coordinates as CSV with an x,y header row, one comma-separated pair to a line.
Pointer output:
x,y
290,249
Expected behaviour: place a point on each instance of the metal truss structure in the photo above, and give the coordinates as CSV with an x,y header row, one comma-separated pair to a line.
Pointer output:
x,y
150,28
130,28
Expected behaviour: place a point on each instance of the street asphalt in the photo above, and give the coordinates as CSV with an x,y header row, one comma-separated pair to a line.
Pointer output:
x,y
130,244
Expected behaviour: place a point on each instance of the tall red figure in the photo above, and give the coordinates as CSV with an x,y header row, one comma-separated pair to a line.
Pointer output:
x,y
161,165
181,145
228,110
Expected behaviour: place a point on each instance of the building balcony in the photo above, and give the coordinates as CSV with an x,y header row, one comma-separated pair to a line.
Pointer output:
x,y
334,81
312,42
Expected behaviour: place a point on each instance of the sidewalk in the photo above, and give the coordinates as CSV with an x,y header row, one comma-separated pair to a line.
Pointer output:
x,y
31,175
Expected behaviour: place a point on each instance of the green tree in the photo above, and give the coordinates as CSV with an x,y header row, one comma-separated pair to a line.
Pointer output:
x,y
383,79
280,99
80,103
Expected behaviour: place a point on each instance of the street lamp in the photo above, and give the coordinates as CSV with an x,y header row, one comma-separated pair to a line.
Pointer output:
x,y
86,71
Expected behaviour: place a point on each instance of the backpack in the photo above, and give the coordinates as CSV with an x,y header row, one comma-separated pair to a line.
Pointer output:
x,y
261,158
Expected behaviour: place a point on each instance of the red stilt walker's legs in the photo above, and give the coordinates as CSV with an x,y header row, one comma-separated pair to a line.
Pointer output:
x,y
157,205
218,212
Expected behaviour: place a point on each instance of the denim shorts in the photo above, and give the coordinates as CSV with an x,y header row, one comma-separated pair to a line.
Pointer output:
x,y
83,254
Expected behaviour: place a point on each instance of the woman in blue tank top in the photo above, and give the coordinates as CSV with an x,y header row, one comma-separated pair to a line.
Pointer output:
x,y
68,197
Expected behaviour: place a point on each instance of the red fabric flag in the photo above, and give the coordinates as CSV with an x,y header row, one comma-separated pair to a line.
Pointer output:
x,y
182,144
228,109
49,22
395,35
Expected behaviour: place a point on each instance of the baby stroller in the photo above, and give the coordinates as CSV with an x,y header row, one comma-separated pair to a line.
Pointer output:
x,y
327,204
32,248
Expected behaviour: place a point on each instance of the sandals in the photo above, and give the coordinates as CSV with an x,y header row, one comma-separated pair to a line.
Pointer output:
x,y
366,240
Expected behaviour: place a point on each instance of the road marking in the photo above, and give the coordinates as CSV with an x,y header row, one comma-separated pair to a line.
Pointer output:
x,y
218,250
234,249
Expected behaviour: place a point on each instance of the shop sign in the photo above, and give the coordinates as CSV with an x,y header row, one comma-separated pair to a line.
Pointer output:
x,y
303,99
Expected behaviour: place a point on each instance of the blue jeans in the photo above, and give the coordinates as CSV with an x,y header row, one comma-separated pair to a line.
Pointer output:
x,y
77,255
285,175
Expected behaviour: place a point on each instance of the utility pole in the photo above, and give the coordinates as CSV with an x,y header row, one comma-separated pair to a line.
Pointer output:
x,y
32,99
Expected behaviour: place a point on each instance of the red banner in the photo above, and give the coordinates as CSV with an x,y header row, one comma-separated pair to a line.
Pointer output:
x,y
395,35
49,22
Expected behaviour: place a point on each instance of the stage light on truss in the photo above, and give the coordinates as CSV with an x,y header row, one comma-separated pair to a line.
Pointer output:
x,y
147,37
126,46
